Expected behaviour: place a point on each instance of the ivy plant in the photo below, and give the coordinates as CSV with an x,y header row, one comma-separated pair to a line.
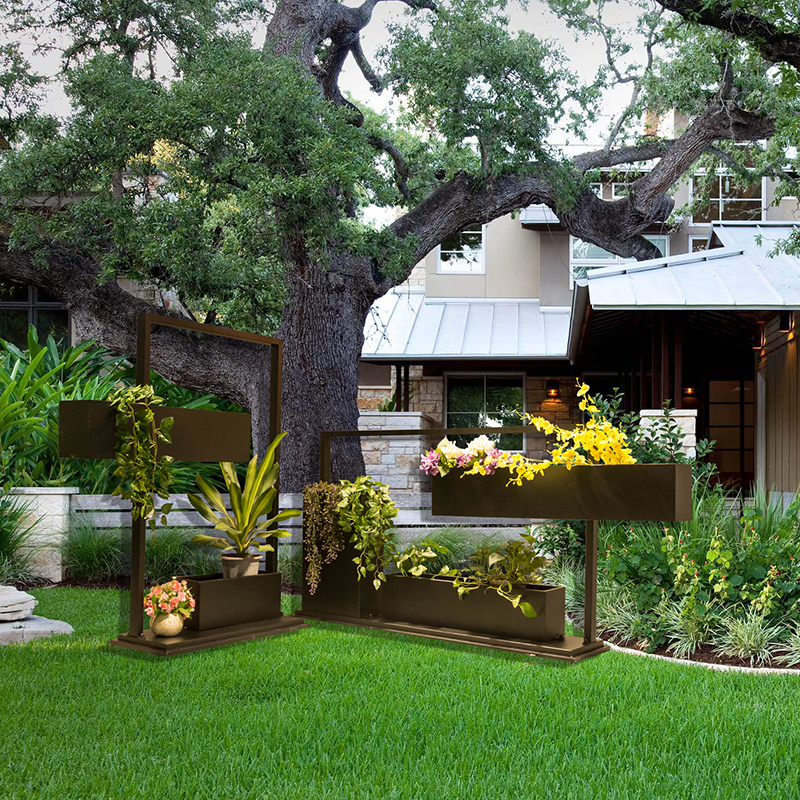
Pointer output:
x,y
142,473
367,513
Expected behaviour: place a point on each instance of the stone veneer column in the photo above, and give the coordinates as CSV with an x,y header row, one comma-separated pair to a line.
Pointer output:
x,y
51,507
684,418
395,461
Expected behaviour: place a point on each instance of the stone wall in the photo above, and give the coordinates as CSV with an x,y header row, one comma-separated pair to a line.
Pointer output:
x,y
395,461
50,506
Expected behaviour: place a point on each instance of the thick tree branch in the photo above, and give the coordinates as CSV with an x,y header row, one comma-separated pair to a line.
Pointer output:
x,y
774,44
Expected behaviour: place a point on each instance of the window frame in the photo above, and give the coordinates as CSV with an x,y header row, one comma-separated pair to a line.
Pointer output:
x,y
473,374
482,263
33,305
720,174
616,261
692,238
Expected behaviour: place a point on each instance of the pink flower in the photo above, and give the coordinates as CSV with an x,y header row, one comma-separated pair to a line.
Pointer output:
x,y
156,591
191,603
430,463
164,605
173,603
150,612
175,586
182,596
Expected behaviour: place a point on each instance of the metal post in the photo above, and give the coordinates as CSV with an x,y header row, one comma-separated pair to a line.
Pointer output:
x,y
324,456
590,584
406,390
275,391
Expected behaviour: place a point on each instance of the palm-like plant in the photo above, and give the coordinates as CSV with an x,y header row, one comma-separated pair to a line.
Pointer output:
x,y
246,521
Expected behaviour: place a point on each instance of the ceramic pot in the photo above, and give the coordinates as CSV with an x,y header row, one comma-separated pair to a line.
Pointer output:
x,y
240,566
166,624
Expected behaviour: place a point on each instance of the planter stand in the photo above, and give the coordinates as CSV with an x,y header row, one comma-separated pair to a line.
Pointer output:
x,y
86,430
635,492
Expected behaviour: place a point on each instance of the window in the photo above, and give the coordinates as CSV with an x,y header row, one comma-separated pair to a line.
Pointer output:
x,y
478,401
726,201
463,253
21,306
731,424
584,255
697,243
619,189
597,188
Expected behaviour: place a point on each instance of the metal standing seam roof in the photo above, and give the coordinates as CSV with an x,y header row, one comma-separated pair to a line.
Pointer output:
x,y
740,275
405,324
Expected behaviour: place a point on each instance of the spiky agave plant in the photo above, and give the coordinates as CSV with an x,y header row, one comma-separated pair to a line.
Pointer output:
x,y
245,523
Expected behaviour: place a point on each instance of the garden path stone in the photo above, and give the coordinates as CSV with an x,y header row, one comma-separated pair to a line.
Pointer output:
x,y
33,627
15,605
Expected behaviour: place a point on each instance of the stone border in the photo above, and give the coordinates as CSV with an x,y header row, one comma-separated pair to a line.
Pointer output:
x,y
718,667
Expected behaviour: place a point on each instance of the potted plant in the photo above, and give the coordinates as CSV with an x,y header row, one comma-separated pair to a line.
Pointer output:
x,y
246,523
168,605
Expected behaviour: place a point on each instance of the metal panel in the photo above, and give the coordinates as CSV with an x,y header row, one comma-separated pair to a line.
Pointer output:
x,y
425,329
400,324
505,329
453,326
477,339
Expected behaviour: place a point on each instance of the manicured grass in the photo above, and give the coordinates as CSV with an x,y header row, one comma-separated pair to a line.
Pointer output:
x,y
335,712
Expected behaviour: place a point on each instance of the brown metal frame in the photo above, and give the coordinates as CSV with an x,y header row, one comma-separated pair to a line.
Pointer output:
x,y
192,640
568,649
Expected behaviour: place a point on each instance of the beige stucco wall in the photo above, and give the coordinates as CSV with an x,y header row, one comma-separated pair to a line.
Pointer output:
x,y
511,255
554,269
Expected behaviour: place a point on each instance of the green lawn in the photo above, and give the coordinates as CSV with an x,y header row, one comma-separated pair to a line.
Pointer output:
x,y
336,712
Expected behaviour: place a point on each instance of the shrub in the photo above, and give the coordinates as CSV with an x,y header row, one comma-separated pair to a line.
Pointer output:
x,y
563,538
15,531
687,625
569,573
290,564
460,543
91,553
748,636
617,612
791,647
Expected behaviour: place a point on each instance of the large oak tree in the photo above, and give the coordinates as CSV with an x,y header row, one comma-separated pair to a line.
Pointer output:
x,y
240,176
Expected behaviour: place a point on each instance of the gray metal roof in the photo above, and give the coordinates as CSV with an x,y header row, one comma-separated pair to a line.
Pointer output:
x,y
740,275
405,324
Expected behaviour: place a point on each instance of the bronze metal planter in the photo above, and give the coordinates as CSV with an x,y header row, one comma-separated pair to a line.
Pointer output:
x,y
339,591
221,602
435,603
657,492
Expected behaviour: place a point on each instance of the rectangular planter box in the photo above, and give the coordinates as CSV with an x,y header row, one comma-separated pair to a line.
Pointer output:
x,y
339,592
86,430
434,602
656,492
221,602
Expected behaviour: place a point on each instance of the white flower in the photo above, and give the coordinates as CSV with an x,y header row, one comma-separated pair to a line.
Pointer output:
x,y
448,449
481,444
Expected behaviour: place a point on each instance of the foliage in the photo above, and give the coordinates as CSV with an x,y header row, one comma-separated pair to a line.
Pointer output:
x,y
247,522
453,546
748,636
569,573
91,553
141,471
688,625
173,597
366,512
415,559
791,647
596,441
563,538
502,570
389,403
16,529
323,539
290,564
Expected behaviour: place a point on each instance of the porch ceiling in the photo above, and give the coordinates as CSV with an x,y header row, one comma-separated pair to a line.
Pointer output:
x,y
405,325
739,276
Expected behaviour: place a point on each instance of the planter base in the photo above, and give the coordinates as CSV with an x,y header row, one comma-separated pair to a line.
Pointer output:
x,y
188,640
570,649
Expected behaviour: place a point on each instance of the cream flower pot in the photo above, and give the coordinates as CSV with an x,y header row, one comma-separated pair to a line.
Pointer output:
x,y
240,566
166,624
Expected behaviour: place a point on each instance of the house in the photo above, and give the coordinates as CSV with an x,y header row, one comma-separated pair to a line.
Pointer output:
x,y
504,317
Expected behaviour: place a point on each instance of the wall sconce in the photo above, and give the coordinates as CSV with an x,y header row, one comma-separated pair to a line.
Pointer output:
x,y
785,321
689,391
552,388
758,337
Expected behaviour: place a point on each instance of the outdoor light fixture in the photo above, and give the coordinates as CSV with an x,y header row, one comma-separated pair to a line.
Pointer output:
x,y
786,320
552,388
689,391
758,337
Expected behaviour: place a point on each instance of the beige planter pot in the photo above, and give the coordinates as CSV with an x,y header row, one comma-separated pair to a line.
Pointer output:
x,y
166,624
240,566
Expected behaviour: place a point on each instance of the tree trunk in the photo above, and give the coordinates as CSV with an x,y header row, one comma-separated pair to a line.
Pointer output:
x,y
323,332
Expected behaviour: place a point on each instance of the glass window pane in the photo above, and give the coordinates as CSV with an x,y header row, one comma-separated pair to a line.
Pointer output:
x,y
706,186
42,296
585,250
726,438
741,209
465,394
723,414
707,213
723,391
504,395
506,441
463,420
730,189
14,326
14,292
699,244
53,323
659,241
460,262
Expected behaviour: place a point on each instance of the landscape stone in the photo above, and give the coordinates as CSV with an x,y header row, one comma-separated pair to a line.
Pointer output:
x,y
15,605
34,627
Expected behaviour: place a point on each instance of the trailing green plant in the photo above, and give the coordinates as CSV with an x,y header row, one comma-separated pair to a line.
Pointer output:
x,y
366,512
501,570
246,523
749,637
323,536
142,473
416,559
